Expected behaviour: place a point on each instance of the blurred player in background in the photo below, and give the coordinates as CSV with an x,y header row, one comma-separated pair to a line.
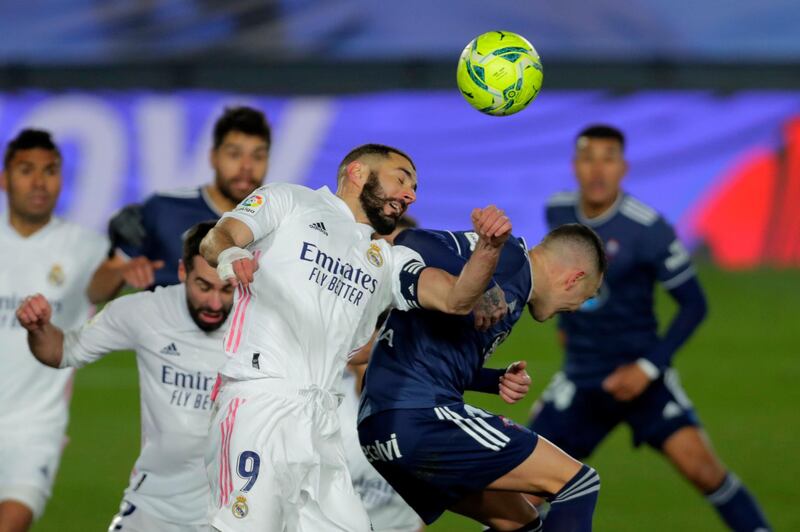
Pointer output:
x,y
617,368
146,239
440,453
41,253
387,511
176,332
306,301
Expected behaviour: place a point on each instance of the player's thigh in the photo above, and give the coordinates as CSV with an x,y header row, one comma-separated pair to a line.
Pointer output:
x,y
336,509
690,451
15,516
434,457
497,509
252,459
544,472
575,419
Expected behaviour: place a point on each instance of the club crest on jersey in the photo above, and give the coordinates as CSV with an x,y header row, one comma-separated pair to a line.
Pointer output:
x,y
239,508
56,275
251,204
374,255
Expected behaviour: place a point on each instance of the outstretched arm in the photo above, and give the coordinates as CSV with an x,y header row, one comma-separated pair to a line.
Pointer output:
x,y
438,290
44,339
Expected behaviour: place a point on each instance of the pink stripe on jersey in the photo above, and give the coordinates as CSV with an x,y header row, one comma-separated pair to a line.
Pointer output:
x,y
226,429
240,327
230,334
217,386
234,335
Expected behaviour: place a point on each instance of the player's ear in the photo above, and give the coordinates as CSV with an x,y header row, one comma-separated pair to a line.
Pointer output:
x,y
574,278
4,180
181,271
357,173
212,157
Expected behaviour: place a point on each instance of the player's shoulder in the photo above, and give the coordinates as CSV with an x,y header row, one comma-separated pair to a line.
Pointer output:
x,y
560,207
157,306
562,199
639,212
286,191
77,236
181,194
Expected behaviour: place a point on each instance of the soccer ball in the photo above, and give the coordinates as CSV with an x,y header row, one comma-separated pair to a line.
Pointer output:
x,y
499,73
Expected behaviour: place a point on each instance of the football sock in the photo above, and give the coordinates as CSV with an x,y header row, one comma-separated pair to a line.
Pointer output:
x,y
572,507
737,507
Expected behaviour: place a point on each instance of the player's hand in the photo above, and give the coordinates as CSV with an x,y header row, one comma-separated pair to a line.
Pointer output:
x,y
514,384
627,382
492,226
139,272
237,266
34,312
490,308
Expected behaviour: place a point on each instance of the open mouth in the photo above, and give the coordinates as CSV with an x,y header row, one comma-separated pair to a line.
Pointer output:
x,y
210,317
396,206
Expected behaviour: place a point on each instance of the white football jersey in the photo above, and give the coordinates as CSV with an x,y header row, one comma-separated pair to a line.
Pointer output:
x,y
386,508
320,286
57,261
178,365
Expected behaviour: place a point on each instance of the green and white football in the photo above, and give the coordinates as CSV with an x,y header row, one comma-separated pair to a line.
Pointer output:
x,y
499,73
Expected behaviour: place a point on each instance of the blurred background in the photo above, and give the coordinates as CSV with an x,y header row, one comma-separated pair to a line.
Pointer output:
x,y
707,91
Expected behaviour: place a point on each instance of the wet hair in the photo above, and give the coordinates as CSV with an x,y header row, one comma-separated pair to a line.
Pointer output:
x,y
29,139
371,149
191,242
244,120
602,131
583,238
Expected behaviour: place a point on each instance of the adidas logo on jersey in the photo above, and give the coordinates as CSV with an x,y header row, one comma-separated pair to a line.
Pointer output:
x,y
170,350
319,226
671,410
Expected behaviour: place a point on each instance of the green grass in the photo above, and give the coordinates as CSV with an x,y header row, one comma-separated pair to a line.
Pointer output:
x,y
741,370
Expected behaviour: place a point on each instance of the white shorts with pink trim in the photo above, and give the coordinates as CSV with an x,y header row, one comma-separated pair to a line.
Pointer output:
x,y
276,461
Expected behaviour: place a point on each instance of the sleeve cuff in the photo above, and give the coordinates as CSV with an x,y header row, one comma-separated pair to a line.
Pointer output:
x,y
649,369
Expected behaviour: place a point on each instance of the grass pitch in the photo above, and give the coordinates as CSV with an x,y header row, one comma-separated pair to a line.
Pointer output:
x,y
741,370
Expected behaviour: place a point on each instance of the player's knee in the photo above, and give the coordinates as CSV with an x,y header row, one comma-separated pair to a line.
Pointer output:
x,y
15,516
705,474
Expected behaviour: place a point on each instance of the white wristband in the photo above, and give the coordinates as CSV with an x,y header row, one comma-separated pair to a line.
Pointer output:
x,y
649,368
226,259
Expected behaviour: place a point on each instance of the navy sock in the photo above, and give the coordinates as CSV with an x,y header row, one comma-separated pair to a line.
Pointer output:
x,y
737,507
572,507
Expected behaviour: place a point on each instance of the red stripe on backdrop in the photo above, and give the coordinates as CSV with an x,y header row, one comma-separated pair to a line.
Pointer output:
x,y
734,218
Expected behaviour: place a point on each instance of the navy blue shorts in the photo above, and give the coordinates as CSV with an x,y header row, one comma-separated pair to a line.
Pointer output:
x,y
578,419
434,457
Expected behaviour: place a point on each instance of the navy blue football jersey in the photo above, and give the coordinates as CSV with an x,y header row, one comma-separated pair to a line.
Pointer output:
x,y
166,217
619,325
424,358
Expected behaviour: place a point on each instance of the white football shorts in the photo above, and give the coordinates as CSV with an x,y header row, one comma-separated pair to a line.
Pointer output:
x,y
28,467
276,461
133,519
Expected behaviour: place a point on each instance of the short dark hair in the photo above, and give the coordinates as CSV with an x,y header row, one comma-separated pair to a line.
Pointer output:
x,y
191,242
244,120
372,149
29,139
602,131
585,238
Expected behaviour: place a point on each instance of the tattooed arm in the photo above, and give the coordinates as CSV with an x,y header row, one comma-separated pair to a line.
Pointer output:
x,y
490,308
